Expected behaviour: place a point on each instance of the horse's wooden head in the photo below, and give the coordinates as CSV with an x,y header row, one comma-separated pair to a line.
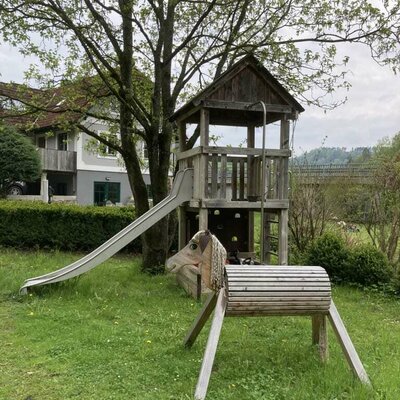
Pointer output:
x,y
196,253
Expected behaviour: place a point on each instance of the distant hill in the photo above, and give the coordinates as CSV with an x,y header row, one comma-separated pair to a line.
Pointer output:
x,y
334,155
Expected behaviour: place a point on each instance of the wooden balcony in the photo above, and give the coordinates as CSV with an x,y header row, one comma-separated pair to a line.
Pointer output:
x,y
58,160
231,177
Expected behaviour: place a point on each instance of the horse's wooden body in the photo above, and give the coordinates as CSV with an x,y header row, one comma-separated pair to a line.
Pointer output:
x,y
262,290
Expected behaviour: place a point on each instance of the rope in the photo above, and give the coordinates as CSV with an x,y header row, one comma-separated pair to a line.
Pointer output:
x,y
218,258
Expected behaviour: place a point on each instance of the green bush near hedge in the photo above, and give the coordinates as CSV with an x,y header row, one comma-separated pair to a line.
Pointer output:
x,y
30,224
329,251
361,264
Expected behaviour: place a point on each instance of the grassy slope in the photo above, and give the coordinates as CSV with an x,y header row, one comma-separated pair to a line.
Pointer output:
x,y
117,334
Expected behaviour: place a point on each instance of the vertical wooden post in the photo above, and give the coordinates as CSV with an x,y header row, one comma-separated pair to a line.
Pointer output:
x,y
320,335
284,165
204,139
182,234
251,184
284,194
283,237
203,219
182,231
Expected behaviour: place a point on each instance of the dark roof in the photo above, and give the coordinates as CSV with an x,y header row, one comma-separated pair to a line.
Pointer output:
x,y
244,83
38,109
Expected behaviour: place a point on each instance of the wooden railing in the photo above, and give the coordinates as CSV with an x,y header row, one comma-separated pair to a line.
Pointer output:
x,y
58,160
234,174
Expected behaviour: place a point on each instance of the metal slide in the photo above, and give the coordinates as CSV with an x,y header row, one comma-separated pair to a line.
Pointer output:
x,y
181,191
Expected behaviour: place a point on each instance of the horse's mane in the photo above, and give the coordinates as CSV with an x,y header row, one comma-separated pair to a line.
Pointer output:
x,y
217,262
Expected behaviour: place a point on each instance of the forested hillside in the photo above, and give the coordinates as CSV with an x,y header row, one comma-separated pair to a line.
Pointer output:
x,y
334,155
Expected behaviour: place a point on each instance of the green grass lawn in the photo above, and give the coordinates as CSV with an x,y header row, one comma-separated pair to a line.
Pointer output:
x,y
117,334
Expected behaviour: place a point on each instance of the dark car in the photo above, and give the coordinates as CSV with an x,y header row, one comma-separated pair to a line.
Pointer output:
x,y
17,188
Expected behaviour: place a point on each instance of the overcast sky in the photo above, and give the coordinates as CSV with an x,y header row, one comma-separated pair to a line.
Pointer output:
x,y
371,112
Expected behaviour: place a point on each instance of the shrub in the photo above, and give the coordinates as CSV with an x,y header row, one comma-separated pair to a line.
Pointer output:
x,y
368,266
26,224
329,251
19,160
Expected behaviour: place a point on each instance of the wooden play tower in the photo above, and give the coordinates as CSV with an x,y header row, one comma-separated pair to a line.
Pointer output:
x,y
228,184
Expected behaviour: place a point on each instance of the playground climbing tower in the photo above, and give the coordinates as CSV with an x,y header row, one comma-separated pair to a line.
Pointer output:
x,y
228,180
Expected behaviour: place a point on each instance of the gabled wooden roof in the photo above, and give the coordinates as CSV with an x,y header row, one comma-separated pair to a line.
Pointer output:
x,y
228,97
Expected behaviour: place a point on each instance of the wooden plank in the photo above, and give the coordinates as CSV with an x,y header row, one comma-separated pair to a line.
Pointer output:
x,y
310,293
200,320
278,299
255,274
279,288
278,278
241,180
277,312
223,176
268,307
243,151
274,282
211,347
189,153
269,204
347,345
234,180
238,105
214,175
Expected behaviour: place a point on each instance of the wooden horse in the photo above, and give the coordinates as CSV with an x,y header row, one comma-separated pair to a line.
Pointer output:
x,y
244,290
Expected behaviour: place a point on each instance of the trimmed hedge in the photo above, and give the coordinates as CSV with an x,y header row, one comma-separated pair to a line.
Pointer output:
x,y
31,224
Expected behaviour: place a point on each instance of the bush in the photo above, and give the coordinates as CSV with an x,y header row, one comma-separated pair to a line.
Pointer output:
x,y
329,251
26,224
368,266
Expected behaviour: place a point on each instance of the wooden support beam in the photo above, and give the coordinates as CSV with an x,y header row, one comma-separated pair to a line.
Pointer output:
x,y
347,345
283,247
182,233
211,347
182,136
320,335
200,320
203,219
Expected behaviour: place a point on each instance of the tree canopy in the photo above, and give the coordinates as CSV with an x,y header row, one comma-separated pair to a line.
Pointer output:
x,y
181,45
19,160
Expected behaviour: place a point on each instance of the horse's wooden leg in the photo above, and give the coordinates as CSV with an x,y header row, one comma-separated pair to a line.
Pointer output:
x,y
347,345
211,347
320,335
201,319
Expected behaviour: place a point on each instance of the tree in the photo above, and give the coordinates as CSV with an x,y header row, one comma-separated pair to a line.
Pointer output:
x,y
181,45
383,217
19,160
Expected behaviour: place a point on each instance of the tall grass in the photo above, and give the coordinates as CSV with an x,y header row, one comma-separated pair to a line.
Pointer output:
x,y
117,334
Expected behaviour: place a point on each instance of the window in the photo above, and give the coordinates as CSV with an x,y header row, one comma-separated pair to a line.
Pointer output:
x,y
41,142
62,141
145,151
105,150
105,192
149,191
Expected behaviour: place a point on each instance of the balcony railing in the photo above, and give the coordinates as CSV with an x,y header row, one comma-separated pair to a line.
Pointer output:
x,y
58,160
233,175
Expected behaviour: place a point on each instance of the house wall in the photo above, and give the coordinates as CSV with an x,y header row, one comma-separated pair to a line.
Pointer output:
x,y
86,179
